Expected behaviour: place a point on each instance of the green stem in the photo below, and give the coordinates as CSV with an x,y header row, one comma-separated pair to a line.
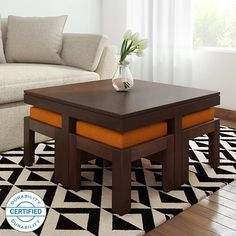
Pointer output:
x,y
126,85
126,52
122,58
132,50
122,47
130,45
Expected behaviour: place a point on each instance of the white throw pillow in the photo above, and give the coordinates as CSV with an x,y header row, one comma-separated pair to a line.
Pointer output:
x,y
2,56
35,39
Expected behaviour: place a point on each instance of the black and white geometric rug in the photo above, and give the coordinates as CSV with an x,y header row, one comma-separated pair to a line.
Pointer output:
x,y
88,212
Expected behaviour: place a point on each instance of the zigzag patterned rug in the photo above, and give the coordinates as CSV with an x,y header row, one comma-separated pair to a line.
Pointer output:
x,y
88,212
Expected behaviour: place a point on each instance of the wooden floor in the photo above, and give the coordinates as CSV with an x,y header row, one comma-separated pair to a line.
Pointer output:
x,y
214,215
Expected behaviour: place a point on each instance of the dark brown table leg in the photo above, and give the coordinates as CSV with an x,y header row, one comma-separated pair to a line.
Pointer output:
x,y
175,128
214,146
121,181
29,143
75,159
62,150
168,166
106,163
185,158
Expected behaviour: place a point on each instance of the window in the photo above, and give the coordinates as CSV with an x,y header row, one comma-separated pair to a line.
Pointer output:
x,y
214,23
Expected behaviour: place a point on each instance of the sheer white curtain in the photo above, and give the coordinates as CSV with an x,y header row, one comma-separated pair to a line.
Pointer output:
x,y
168,26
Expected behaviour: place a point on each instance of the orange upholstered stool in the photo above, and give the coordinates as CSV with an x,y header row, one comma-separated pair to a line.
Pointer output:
x,y
113,146
195,125
47,123
122,149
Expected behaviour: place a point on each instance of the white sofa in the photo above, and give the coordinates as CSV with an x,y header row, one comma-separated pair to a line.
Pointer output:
x,y
17,77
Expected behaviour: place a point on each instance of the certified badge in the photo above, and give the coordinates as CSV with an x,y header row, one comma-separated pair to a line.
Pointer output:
x,y
25,211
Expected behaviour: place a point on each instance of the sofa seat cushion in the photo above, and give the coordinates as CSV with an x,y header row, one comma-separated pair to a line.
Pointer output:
x,y
17,77
197,118
103,135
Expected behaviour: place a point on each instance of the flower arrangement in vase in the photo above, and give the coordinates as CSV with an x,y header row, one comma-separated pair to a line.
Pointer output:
x,y
132,44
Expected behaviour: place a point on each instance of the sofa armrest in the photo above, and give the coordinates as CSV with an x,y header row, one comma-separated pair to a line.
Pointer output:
x,y
108,63
83,51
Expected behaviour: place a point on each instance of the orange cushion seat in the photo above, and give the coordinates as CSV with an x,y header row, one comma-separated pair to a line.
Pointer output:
x,y
121,140
197,118
46,116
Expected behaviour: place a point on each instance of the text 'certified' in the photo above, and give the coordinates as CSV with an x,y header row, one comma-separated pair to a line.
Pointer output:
x,y
25,211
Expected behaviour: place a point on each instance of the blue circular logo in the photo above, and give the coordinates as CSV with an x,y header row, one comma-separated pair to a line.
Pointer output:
x,y
25,211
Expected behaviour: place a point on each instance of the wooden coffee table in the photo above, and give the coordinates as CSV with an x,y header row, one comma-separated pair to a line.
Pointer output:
x,y
98,103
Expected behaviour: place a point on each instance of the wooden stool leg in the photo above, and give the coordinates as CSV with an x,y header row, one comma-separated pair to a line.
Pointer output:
x,y
29,143
75,157
137,163
121,181
168,166
214,146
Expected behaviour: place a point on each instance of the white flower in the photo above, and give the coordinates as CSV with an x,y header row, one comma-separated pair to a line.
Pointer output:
x,y
127,34
132,44
140,53
135,38
143,44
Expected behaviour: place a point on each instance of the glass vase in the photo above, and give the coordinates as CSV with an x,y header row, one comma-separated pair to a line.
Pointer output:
x,y
123,79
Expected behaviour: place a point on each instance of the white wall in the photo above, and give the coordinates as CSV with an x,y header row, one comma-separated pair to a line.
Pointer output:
x,y
84,15
216,70
113,20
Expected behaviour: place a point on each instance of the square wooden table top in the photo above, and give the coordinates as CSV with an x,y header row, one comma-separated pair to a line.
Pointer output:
x,y
100,97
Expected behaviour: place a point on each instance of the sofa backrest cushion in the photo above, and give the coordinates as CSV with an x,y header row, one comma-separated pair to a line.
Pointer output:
x,y
4,31
2,56
83,50
35,39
